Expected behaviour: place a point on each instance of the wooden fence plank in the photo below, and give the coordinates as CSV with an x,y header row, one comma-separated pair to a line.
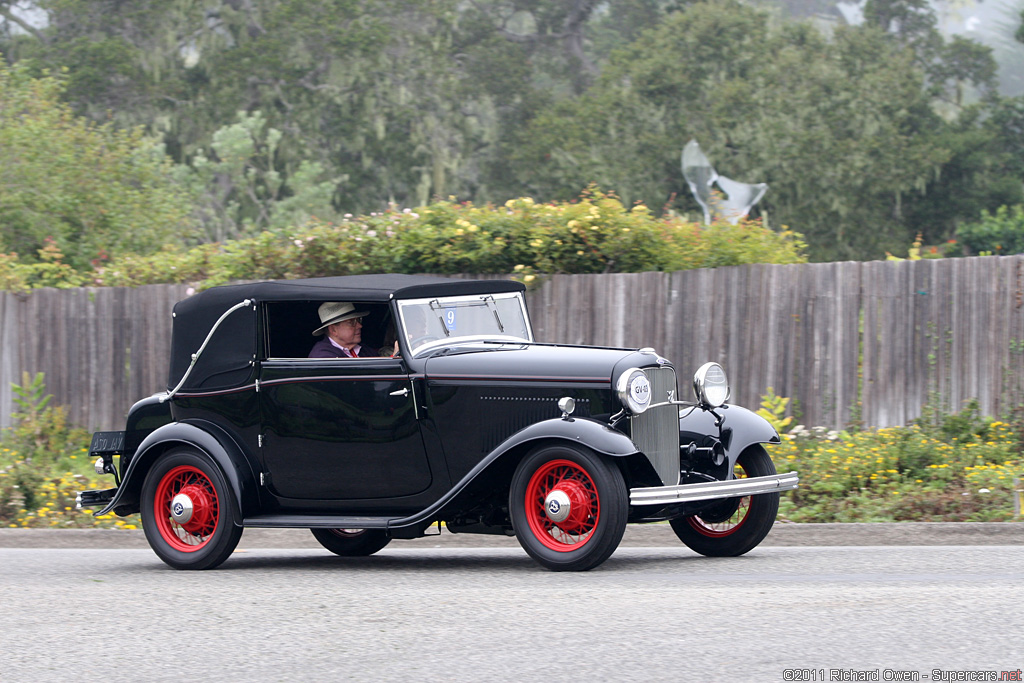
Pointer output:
x,y
873,340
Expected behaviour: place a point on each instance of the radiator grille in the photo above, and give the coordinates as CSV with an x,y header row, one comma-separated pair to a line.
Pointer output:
x,y
656,432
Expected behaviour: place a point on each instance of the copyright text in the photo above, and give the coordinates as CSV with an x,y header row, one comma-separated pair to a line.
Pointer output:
x,y
845,675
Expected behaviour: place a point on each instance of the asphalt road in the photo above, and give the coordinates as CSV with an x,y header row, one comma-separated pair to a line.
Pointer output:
x,y
439,612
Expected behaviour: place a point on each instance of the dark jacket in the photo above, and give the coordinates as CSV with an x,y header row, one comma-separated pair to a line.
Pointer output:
x,y
325,349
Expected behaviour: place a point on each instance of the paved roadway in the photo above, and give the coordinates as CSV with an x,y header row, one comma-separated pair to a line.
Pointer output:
x,y
432,610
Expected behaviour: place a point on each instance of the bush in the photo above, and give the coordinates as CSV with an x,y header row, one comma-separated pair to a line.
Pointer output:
x,y
44,464
961,468
997,234
596,234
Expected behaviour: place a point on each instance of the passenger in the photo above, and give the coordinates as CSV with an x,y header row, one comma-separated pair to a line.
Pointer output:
x,y
344,327
389,347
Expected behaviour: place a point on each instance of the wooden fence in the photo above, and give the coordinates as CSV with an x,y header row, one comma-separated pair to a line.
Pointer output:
x,y
868,342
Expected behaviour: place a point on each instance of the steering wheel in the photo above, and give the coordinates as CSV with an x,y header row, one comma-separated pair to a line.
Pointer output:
x,y
420,341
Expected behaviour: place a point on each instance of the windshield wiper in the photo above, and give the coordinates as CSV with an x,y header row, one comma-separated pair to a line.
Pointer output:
x,y
489,300
440,318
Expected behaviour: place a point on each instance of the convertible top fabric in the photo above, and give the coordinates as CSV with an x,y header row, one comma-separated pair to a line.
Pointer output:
x,y
228,359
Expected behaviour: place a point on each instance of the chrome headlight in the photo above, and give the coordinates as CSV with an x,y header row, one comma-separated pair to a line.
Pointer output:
x,y
710,385
634,390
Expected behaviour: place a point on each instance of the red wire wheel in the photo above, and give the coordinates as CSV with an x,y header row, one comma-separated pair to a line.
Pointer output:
x,y
575,485
192,534
352,542
568,506
728,526
735,525
187,511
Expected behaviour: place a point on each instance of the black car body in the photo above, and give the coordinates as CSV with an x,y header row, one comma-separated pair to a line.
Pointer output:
x,y
473,423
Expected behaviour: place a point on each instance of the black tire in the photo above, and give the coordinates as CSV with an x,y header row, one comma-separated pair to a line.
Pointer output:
x,y
598,506
736,525
351,542
210,534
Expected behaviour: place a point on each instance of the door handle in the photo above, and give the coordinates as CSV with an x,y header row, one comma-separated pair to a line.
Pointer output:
x,y
400,392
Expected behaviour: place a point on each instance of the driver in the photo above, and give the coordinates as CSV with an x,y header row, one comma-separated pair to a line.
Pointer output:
x,y
344,327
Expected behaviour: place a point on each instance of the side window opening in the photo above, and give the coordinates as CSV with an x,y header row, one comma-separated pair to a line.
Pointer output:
x,y
290,325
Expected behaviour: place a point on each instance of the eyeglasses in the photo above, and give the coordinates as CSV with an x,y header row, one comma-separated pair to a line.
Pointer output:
x,y
352,322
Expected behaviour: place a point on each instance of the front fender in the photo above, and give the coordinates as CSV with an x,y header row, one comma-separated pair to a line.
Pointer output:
x,y
740,429
594,435
597,436
204,436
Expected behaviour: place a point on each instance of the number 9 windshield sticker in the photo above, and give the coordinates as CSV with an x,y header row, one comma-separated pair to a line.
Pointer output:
x,y
449,319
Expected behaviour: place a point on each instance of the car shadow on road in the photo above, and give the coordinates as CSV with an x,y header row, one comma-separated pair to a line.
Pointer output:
x,y
433,560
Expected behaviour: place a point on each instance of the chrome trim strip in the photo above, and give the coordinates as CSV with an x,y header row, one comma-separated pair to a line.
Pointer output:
x,y
733,488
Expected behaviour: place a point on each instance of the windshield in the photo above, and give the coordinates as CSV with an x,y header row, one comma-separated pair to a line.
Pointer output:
x,y
464,318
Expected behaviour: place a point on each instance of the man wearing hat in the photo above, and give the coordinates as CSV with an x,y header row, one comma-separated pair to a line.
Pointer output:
x,y
344,327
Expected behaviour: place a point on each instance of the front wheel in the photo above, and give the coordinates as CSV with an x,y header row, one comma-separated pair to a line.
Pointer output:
x,y
735,525
351,542
569,507
187,512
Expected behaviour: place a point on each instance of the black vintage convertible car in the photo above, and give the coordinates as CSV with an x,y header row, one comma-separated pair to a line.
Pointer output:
x,y
466,420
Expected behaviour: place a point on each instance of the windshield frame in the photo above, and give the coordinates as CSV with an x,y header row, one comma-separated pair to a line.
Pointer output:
x,y
489,302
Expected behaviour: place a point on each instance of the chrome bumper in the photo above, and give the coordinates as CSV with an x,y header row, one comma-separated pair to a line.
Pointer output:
x,y
733,488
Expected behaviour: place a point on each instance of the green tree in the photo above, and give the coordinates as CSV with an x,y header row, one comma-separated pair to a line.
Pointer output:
x,y
839,129
91,191
239,190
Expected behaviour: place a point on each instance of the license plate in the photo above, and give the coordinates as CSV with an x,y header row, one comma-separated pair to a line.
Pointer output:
x,y
107,442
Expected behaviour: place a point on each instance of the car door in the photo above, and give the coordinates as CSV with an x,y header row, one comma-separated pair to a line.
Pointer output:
x,y
337,429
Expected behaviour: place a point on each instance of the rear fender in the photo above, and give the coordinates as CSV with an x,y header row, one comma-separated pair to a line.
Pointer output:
x,y
203,436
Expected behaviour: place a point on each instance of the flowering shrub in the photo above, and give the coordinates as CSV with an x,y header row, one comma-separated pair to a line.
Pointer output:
x,y
999,233
44,464
595,234
900,474
33,494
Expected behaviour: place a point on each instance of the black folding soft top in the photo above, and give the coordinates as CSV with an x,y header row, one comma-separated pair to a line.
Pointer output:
x,y
230,352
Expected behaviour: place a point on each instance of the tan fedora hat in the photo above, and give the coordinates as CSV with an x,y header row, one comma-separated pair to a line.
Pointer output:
x,y
334,312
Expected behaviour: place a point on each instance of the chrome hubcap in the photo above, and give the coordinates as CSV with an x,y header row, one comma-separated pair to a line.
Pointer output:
x,y
182,509
557,505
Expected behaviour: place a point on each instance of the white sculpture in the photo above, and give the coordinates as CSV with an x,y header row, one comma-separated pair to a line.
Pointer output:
x,y
736,198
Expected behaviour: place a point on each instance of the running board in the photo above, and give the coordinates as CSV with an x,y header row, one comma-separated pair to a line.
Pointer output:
x,y
316,522
711,490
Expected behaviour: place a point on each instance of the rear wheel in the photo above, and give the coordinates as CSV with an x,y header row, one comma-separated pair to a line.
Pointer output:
x,y
568,507
735,525
351,542
187,512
